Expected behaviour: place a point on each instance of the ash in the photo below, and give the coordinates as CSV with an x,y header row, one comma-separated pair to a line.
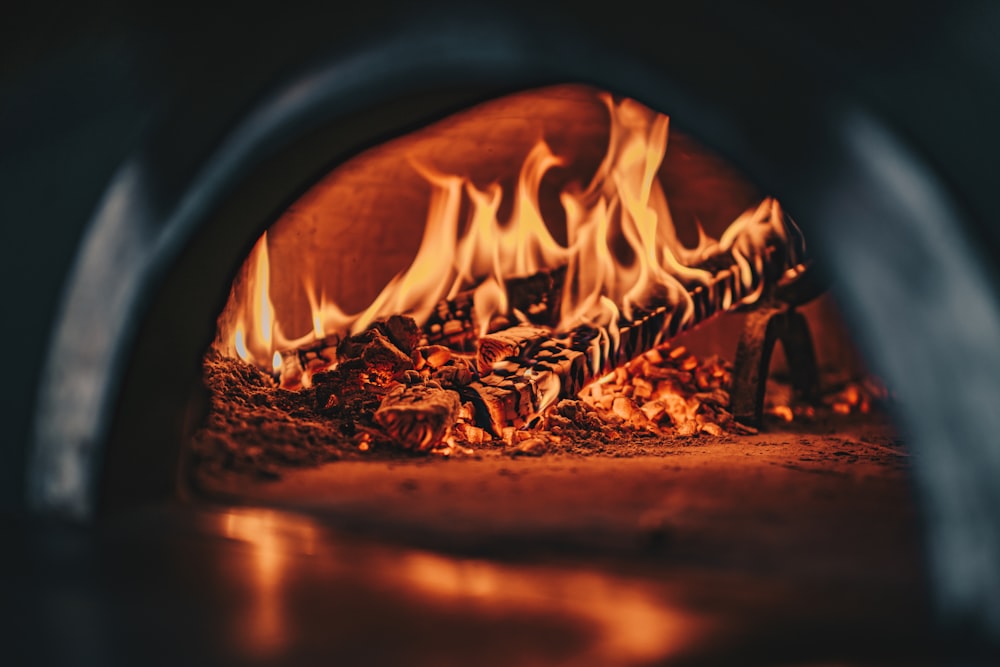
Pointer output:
x,y
254,426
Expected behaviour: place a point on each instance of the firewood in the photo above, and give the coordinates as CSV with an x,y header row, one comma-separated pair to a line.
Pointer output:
x,y
435,356
314,357
290,371
508,403
419,416
523,367
470,433
510,394
370,364
517,364
538,297
519,341
451,323
403,331
457,372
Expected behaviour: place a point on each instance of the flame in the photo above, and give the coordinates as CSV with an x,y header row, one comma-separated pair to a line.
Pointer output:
x,y
621,253
547,386
254,325
315,311
487,301
240,343
415,291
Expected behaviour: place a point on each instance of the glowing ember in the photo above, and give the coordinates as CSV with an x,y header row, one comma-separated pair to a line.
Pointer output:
x,y
666,388
845,397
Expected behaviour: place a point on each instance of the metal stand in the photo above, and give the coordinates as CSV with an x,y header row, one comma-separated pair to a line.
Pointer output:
x,y
764,327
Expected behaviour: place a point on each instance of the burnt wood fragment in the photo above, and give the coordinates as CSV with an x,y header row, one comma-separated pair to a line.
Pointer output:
x,y
380,356
402,330
518,341
370,364
419,416
537,297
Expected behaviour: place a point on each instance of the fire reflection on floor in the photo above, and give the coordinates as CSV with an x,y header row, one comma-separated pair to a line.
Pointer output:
x,y
580,616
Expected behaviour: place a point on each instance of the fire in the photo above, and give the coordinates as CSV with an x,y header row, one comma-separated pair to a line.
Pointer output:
x,y
621,251
240,343
852,397
254,326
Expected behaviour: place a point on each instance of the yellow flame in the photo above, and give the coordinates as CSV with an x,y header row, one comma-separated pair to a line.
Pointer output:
x,y
488,300
415,291
263,311
316,313
621,252
240,343
256,342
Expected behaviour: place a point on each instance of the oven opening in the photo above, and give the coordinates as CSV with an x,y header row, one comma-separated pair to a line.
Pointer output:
x,y
546,366
559,275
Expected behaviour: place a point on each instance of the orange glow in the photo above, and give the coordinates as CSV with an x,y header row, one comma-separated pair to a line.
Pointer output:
x,y
630,625
272,538
621,251
628,620
783,411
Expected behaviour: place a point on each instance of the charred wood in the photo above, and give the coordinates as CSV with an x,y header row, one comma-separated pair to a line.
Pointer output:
x,y
537,297
519,366
370,365
519,341
418,416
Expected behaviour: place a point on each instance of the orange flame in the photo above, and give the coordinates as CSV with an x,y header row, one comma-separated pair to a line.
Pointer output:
x,y
621,250
254,327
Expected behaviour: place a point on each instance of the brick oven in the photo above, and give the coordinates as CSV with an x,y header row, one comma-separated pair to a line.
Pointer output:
x,y
406,326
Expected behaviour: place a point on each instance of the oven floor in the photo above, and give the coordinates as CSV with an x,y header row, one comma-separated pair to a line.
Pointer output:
x,y
794,486
797,547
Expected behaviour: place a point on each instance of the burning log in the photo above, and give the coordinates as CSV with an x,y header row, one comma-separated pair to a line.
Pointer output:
x,y
538,297
370,365
521,369
321,355
520,366
518,389
403,331
519,341
451,324
418,416
313,358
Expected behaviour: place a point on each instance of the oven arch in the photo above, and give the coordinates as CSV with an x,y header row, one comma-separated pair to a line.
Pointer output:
x,y
868,189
